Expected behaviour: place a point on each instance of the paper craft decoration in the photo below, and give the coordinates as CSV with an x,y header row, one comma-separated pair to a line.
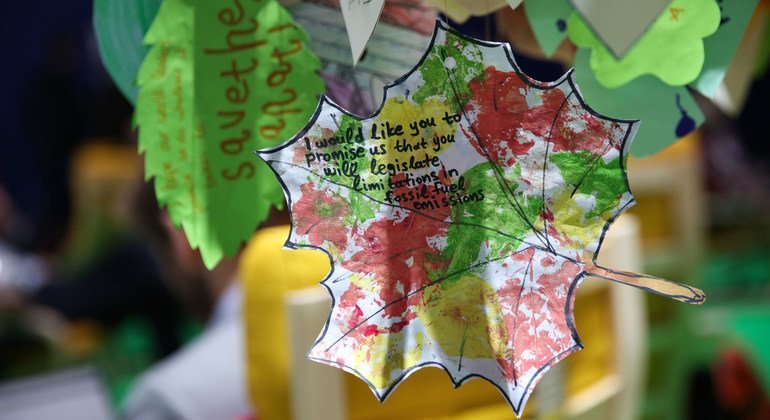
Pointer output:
x,y
221,79
666,113
461,10
361,17
721,47
619,23
391,52
548,19
737,86
671,49
459,219
119,28
417,15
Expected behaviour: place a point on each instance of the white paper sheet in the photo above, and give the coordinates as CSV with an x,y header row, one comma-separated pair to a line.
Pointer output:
x,y
360,17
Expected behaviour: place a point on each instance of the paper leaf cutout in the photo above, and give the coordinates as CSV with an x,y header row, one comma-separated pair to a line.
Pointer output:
x,y
392,50
548,19
221,79
461,10
119,28
514,3
721,47
360,17
416,15
459,219
619,23
667,113
672,49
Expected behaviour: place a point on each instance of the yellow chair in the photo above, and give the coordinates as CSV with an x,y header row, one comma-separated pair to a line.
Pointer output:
x,y
285,309
268,273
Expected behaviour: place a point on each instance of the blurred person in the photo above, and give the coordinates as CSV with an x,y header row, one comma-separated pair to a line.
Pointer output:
x,y
148,274
730,389
738,389
205,379
56,97
124,280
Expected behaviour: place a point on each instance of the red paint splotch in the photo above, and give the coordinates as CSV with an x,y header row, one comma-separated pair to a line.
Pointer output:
x,y
533,303
318,214
508,293
547,303
502,115
370,330
556,286
547,261
351,296
506,126
397,257
577,130
348,306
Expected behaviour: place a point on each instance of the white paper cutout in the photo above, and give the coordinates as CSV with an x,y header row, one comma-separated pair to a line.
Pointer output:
x,y
391,52
619,23
360,18
460,10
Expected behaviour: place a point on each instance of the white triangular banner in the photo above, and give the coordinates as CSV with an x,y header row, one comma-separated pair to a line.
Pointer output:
x,y
360,18
619,23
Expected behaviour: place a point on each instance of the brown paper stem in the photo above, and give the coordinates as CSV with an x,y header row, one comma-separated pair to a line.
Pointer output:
x,y
666,288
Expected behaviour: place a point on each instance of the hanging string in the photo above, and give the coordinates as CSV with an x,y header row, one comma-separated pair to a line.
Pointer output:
x,y
446,12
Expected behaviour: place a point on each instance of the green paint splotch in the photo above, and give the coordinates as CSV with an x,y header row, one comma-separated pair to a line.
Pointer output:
x,y
349,170
513,215
448,70
590,175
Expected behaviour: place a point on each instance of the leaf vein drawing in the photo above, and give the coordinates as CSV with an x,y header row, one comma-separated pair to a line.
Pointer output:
x,y
421,289
545,168
498,176
393,206
459,219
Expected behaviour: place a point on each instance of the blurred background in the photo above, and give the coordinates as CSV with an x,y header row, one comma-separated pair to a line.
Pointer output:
x,y
97,289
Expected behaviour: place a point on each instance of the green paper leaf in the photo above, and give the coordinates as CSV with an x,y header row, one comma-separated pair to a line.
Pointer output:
x,y
664,118
672,49
720,47
119,27
220,81
619,23
548,19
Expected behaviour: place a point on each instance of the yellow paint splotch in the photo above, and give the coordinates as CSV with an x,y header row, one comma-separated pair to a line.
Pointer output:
x,y
465,318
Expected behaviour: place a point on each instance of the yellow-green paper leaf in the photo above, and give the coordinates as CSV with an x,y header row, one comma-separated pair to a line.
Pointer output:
x,y
222,79
671,49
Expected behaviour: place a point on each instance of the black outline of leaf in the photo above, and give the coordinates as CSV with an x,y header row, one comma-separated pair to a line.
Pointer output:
x,y
624,149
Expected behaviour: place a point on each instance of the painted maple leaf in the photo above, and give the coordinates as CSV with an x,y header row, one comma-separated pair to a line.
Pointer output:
x,y
459,219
